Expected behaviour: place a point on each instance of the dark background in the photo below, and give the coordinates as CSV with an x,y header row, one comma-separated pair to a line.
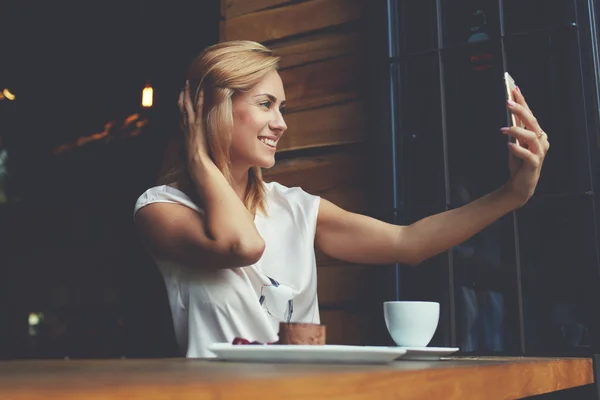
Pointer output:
x,y
68,248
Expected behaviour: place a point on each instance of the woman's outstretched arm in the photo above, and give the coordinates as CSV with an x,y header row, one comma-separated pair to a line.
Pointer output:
x,y
360,239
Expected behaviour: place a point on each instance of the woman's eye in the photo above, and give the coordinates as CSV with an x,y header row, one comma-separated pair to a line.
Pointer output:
x,y
266,104
282,110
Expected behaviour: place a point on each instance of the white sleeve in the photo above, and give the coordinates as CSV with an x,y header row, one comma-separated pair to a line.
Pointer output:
x,y
311,204
306,205
164,194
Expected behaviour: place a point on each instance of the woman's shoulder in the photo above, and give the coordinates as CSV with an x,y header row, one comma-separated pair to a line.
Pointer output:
x,y
294,195
276,187
164,194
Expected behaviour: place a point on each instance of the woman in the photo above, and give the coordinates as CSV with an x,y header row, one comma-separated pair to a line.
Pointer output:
x,y
237,254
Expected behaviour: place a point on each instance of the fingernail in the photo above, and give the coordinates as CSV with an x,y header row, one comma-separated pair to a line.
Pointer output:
x,y
511,103
506,128
518,90
187,83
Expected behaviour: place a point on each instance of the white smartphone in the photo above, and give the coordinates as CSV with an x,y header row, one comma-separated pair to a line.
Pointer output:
x,y
510,86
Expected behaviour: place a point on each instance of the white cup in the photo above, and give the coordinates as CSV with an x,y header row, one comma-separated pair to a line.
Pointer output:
x,y
411,323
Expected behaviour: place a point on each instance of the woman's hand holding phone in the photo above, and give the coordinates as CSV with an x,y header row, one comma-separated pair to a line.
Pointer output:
x,y
529,148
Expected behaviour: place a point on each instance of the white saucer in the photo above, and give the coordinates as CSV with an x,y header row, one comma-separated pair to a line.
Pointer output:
x,y
427,353
307,353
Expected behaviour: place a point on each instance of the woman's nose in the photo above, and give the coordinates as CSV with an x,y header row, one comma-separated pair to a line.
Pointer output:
x,y
279,123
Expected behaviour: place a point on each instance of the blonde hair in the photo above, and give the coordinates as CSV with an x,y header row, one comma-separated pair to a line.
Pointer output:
x,y
221,71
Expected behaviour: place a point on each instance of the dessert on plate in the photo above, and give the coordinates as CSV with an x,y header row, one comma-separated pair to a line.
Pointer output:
x,y
295,333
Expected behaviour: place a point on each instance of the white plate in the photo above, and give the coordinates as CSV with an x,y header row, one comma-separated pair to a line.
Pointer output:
x,y
307,353
427,353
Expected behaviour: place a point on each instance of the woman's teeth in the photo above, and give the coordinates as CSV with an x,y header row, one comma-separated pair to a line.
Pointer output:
x,y
268,142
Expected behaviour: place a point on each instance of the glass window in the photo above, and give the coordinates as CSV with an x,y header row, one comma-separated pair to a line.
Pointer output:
x,y
529,15
475,112
418,25
530,279
546,67
469,21
422,147
486,290
558,255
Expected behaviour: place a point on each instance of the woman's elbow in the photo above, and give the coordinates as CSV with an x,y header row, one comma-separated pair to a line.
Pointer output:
x,y
413,256
413,261
249,251
419,256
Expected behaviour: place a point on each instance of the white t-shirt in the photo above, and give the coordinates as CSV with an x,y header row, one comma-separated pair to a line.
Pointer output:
x,y
210,306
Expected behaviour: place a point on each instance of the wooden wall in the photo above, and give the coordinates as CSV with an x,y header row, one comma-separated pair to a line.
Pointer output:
x,y
323,45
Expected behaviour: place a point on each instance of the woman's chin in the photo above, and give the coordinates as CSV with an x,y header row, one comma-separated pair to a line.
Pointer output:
x,y
266,163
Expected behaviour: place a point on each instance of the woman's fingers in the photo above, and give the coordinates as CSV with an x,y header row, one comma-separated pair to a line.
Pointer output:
x,y
199,105
521,99
180,102
525,116
183,120
187,102
524,154
521,110
524,136
544,142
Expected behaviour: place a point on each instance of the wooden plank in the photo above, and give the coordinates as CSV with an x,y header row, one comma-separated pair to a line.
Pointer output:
x,y
320,173
344,283
347,327
169,378
326,126
350,197
321,83
234,8
293,19
317,47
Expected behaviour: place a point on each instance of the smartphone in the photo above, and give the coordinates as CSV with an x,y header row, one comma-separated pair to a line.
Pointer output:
x,y
510,85
509,82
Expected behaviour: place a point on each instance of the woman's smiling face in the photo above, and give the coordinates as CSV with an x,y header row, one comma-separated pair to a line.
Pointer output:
x,y
258,123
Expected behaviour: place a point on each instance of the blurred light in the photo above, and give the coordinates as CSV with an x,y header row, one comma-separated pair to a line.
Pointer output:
x,y
147,96
34,318
8,94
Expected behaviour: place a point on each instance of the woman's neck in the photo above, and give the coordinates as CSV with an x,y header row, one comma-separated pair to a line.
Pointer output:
x,y
240,181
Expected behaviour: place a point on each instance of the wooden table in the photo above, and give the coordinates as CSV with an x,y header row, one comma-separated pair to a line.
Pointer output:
x,y
460,378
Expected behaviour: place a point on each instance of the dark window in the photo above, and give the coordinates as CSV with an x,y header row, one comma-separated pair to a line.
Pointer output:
x,y
559,265
421,144
475,112
528,15
469,21
418,25
487,307
546,66
529,282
